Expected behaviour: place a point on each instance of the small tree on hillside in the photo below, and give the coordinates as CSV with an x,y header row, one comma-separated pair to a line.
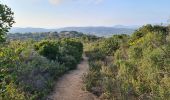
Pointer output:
x,y
6,21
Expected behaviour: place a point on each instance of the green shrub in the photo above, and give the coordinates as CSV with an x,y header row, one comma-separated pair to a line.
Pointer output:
x,y
30,74
49,49
141,66
72,47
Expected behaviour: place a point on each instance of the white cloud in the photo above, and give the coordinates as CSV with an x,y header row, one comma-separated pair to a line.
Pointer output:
x,y
56,2
98,1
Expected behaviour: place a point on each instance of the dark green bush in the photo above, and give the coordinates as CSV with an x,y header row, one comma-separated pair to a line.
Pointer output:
x,y
72,47
49,49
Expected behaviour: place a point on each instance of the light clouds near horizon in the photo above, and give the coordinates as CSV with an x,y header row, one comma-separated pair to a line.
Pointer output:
x,y
56,2
65,13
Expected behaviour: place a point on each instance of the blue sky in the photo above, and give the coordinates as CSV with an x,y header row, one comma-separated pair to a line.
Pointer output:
x,y
64,13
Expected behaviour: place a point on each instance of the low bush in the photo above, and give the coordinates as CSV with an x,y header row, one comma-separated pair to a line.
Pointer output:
x,y
28,74
140,68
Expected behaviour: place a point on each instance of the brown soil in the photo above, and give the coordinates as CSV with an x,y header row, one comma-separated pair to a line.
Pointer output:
x,y
69,87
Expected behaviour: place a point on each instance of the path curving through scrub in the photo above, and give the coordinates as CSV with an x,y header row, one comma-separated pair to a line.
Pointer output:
x,y
69,86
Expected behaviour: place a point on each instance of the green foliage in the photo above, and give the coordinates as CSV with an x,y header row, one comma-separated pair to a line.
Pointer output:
x,y
48,35
12,93
69,61
65,51
141,66
110,45
26,74
147,64
49,49
92,78
71,47
7,19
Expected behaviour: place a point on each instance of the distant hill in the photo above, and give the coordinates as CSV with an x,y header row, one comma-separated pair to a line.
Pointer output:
x,y
49,35
129,27
28,29
99,31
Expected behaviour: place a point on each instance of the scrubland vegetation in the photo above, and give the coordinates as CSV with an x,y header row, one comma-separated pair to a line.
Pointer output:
x,y
122,67
131,67
29,69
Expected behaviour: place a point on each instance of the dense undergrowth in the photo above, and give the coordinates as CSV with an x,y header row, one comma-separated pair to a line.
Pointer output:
x,y
28,69
130,67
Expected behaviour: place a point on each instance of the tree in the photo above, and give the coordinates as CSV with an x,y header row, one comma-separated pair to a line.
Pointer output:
x,y
6,21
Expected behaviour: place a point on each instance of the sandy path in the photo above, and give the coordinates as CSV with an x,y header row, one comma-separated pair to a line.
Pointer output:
x,y
69,87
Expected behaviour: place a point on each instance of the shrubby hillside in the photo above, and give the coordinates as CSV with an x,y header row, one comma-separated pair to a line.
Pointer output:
x,y
131,67
45,35
29,68
98,31
121,67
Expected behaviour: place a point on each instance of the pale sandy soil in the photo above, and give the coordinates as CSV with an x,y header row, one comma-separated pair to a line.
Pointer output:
x,y
69,87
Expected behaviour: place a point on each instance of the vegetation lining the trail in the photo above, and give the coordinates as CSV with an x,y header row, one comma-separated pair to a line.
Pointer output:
x,y
131,67
122,67
28,74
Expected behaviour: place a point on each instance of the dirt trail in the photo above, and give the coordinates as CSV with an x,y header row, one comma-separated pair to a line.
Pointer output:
x,y
69,87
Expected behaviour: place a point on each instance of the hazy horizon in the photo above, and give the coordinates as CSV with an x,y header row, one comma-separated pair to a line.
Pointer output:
x,y
81,13
114,26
